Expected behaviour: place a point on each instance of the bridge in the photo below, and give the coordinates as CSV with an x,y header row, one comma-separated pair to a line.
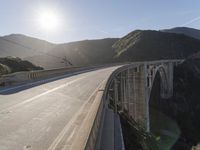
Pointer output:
x,y
69,108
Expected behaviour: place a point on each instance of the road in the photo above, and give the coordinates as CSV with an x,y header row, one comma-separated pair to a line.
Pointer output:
x,y
47,116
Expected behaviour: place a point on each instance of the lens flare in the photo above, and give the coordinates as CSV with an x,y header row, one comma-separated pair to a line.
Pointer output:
x,y
49,20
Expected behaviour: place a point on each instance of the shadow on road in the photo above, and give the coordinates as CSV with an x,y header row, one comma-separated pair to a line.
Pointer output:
x,y
24,86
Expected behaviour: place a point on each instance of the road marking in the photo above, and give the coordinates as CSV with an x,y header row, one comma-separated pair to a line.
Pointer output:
x,y
72,134
67,127
40,95
32,83
42,81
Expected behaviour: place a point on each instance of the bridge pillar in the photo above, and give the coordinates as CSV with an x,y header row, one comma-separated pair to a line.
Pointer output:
x,y
132,88
167,84
139,95
147,85
170,78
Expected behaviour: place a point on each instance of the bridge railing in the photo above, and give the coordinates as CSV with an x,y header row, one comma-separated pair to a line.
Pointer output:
x,y
26,76
93,124
95,135
131,86
95,117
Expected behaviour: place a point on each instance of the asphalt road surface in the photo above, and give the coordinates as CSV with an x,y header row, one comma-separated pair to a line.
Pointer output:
x,y
41,117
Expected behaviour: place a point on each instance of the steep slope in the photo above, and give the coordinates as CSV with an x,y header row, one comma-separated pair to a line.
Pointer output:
x,y
195,33
151,45
49,55
136,46
23,46
88,52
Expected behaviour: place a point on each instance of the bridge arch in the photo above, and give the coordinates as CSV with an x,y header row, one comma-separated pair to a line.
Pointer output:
x,y
165,83
131,85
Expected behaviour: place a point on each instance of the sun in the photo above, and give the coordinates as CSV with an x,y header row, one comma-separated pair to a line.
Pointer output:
x,y
48,20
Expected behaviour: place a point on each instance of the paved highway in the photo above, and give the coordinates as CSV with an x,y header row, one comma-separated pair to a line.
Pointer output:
x,y
47,116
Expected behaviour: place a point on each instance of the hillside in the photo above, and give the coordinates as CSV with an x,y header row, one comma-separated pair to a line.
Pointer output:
x,y
138,45
88,52
195,33
151,45
51,55
14,64
23,46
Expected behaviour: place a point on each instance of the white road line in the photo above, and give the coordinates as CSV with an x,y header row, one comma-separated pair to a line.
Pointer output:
x,y
67,127
42,81
32,83
72,134
40,95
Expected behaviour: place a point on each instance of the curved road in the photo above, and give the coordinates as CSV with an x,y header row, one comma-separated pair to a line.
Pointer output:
x,y
47,116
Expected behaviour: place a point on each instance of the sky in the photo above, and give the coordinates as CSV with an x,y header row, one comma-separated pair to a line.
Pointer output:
x,y
95,19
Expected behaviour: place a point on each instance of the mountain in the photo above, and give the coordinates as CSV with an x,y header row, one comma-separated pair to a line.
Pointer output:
x,y
151,45
87,52
195,33
23,46
49,55
139,45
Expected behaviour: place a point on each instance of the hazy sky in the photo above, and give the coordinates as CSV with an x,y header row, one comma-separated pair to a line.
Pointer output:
x,y
93,19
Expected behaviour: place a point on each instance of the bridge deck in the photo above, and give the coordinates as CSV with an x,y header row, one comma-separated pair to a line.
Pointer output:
x,y
48,115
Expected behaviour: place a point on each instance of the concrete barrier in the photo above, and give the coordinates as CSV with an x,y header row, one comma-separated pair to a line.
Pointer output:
x,y
92,125
26,76
95,136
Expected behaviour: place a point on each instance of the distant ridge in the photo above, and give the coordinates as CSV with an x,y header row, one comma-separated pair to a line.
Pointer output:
x,y
195,33
142,45
80,53
139,45
19,45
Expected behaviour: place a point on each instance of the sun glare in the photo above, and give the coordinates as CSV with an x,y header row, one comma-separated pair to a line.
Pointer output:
x,y
49,20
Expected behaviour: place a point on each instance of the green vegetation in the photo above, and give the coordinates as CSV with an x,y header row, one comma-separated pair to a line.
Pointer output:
x,y
165,128
135,136
4,69
15,64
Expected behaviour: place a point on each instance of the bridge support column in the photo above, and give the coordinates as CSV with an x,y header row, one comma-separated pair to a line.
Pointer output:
x,y
167,86
138,100
128,91
125,92
147,95
131,89
170,78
